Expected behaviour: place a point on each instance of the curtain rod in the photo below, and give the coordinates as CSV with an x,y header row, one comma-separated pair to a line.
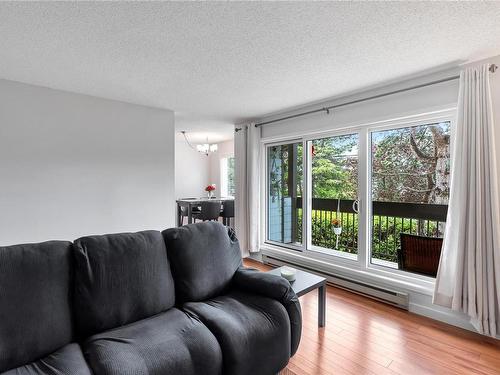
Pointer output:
x,y
492,69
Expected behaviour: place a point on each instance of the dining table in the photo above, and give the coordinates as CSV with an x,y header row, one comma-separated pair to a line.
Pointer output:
x,y
189,203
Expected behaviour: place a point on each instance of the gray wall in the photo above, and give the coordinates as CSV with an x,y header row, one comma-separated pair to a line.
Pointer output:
x,y
72,165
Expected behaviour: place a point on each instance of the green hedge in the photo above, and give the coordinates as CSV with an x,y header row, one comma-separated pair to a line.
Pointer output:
x,y
385,232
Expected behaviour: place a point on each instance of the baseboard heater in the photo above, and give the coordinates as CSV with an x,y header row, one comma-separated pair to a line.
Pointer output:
x,y
391,297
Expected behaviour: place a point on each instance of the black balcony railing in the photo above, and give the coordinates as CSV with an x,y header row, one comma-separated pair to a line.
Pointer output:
x,y
388,221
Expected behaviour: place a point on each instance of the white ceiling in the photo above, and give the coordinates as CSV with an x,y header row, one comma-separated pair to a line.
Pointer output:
x,y
220,63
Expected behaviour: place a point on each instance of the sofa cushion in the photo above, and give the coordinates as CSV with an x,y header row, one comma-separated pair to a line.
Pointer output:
x,y
204,258
253,331
65,361
120,278
169,343
35,314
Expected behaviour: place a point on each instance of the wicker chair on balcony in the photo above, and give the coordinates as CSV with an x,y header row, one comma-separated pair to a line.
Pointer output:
x,y
419,254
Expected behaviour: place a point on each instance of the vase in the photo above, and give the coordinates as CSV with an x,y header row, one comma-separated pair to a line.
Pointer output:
x,y
210,194
337,231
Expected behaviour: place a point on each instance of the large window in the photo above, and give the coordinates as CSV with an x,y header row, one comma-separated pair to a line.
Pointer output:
x,y
401,172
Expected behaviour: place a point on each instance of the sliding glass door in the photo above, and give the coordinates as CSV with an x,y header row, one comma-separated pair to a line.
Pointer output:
x,y
284,193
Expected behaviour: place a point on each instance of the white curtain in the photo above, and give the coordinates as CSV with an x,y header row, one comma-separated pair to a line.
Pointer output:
x,y
247,199
468,278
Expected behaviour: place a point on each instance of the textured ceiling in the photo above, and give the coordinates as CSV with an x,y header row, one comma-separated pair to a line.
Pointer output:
x,y
220,63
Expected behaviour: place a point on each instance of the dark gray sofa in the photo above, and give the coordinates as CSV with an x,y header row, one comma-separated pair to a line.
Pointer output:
x,y
177,302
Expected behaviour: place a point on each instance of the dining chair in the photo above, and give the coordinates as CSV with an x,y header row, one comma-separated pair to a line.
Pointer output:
x,y
227,212
210,210
183,212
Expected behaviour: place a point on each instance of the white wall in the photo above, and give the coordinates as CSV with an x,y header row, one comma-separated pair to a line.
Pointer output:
x,y
72,165
425,99
226,149
192,170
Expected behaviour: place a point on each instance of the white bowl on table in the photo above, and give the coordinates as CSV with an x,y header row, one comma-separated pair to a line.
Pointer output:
x,y
288,273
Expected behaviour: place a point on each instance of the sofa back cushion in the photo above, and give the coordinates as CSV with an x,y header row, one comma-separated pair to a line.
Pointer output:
x,y
119,279
204,258
35,301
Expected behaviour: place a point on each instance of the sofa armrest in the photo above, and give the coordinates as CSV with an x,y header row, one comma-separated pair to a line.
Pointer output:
x,y
275,287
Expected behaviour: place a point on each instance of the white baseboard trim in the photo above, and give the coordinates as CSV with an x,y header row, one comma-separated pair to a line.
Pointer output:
x,y
450,317
446,316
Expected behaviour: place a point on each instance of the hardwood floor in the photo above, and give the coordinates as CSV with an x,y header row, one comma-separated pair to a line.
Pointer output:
x,y
363,336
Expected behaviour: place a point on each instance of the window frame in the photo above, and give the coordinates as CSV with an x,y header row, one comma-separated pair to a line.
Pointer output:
x,y
363,262
348,258
445,116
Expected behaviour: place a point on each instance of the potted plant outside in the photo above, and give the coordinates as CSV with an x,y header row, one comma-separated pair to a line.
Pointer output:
x,y
337,229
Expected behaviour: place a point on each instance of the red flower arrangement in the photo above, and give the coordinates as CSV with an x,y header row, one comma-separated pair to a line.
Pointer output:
x,y
210,188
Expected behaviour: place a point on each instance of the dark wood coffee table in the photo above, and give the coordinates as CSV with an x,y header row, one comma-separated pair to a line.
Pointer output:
x,y
306,282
